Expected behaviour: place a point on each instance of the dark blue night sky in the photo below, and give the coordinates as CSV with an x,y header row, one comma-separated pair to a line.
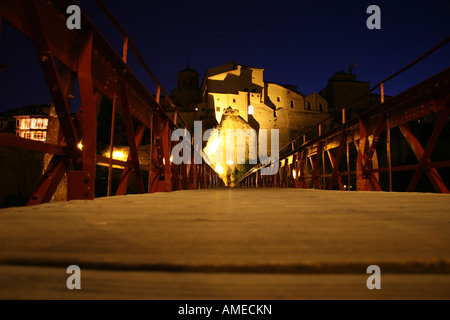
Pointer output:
x,y
297,42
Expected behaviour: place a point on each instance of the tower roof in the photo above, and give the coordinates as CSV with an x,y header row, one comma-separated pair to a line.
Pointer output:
x,y
188,70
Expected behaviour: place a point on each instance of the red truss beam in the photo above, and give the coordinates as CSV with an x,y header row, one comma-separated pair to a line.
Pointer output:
x,y
50,181
85,54
416,147
35,24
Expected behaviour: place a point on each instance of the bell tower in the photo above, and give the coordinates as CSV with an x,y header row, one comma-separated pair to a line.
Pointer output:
x,y
187,93
188,79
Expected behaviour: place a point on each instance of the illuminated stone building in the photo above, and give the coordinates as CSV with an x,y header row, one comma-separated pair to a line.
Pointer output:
x,y
263,104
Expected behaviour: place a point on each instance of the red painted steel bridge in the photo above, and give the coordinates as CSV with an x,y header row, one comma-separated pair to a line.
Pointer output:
x,y
87,56
350,154
356,154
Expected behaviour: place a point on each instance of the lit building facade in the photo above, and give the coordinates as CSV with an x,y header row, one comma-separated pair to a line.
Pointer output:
x,y
264,105
32,127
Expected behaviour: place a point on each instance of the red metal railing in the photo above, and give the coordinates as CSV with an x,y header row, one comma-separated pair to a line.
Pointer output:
x,y
366,139
102,73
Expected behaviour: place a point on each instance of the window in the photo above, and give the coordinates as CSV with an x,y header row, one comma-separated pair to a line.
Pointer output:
x,y
218,109
278,99
234,100
33,124
18,124
250,110
45,124
27,135
309,106
38,135
321,107
292,104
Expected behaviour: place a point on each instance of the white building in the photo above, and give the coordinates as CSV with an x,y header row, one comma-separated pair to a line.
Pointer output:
x,y
264,105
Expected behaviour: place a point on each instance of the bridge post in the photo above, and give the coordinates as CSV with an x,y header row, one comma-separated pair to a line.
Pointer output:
x,y
335,175
124,103
111,145
388,148
361,181
315,164
126,173
90,103
156,163
166,141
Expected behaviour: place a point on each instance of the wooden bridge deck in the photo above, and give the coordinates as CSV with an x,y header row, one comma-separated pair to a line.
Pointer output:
x,y
230,244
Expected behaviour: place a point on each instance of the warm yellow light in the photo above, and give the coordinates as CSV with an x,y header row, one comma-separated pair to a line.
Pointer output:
x,y
220,170
290,160
294,174
171,160
231,163
80,146
215,145
119,155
